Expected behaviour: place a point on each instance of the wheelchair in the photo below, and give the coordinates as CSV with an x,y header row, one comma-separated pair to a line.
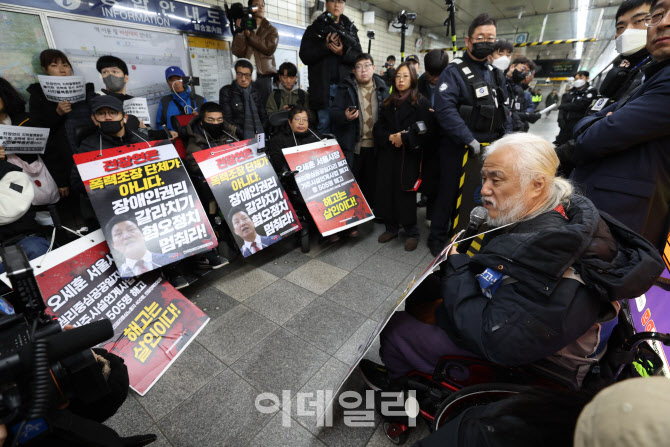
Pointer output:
x,y
458,383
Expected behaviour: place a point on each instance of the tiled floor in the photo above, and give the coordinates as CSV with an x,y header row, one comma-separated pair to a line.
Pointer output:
x,y
281,320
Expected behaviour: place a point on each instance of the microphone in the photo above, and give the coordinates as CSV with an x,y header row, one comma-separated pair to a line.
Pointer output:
x,y
477,218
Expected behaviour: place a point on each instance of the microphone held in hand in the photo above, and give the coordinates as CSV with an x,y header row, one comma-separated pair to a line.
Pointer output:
x,y
477,218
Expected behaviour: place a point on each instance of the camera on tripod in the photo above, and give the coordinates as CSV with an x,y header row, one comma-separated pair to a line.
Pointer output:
x,y
405,17
245,14
42,366
326,24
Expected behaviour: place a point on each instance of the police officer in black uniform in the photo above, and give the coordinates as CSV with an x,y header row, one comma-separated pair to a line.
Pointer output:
x,y
574,106
470,109
521,68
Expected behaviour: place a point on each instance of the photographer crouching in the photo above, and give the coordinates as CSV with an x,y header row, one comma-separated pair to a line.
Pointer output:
x,y
329,47
255,36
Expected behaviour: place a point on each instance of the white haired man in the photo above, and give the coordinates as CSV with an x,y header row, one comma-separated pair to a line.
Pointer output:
x,y
533,291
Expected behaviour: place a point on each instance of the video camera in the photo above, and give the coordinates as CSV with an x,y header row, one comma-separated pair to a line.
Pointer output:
x,y
190,80
246,16
405,17
41,366
326,24
416,129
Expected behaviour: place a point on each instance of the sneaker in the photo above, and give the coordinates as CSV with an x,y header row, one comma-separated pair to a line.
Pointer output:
x,y
428,223
374,375
354,232
211,260
411,243
178,281
333,238
386,236
421,203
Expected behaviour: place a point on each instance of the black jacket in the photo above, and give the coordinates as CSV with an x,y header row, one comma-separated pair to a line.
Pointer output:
x,y
286,138
543,312
197,140
320,60
623,162
398,167
348,133
576,103
424,86
232,101
57,156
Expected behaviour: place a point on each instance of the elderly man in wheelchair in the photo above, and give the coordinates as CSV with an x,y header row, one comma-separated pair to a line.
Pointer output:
x,y
543,289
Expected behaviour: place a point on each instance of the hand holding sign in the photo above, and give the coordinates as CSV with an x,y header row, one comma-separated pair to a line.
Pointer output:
x,y
63,88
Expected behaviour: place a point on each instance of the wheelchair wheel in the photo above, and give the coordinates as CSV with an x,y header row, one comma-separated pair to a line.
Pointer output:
x,y
470,396
396,432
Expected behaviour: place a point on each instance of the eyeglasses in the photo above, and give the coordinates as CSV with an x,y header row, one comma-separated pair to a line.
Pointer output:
x,y
365,67
300,120
339,2
655,18
100,114
243,75
483,39
403,77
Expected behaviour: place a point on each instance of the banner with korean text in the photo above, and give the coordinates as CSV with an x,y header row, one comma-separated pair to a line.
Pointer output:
x,y
153,323
254,204
146,205
328,186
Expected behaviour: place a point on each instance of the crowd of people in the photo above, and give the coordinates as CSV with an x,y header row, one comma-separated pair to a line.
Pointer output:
x,y
580,244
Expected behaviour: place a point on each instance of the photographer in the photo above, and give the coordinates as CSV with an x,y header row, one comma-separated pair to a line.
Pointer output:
x,y
262,43
329,56
388,72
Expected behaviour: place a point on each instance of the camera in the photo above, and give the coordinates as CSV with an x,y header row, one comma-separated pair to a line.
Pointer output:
x,y
416,129
190,80
371,34
245,14
326,24
42,366
405,17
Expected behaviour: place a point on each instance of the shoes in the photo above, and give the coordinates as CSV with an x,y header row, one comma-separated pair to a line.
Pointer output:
x,y
333,238
421,203
428,223
435,247
211,260
411,243
178,281
375,376
353,232
386,236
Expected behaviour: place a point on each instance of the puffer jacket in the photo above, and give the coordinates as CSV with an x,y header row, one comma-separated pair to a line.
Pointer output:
x,y
197,140
539,311
232,101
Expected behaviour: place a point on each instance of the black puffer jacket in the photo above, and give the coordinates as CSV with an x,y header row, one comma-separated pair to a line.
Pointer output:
x,y
543,312
232,101
286,138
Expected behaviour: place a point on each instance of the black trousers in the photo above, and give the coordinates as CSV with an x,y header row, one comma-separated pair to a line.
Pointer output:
x,y
365,171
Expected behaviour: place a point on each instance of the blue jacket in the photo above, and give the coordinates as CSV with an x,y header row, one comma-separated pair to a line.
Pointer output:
x,y
451,92
181,99
623,162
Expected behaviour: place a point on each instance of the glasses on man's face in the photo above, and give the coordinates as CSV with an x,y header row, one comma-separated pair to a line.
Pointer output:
x,y
403,77
478,39
243,75
339,2
101,114
655,18
300,120
364,67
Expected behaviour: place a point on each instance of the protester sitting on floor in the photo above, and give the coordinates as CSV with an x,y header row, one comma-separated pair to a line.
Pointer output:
x,y
540,286
208,130
296,133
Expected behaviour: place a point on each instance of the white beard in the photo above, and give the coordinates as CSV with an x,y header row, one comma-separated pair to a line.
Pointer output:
x,y
511,210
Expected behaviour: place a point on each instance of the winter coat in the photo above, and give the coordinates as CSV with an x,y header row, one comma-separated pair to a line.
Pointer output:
x,y
57,156
623,162
287,98
197,140
262,43
538,310
232,101
398,168
319,60
348,133
177,105
286,138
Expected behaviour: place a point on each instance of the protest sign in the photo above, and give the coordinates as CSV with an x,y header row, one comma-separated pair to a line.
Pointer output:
x,y
249,194
137,107
147,206
153,323
328,186
365,347
63,88
23,140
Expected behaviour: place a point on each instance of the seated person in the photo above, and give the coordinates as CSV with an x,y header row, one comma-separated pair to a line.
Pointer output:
x,y
242,103
244,228
288,94
540,286
180,101
208,130
296,133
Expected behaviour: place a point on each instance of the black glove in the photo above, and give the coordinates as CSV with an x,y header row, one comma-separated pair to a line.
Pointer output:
x,y
533,117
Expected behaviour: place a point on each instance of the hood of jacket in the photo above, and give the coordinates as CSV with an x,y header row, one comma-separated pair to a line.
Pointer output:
x,y
613,261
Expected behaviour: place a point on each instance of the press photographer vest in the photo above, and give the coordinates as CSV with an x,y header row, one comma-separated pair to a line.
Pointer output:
x,y
484,111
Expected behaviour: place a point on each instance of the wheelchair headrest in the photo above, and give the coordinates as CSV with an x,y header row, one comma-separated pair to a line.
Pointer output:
x,y
278,118
82,131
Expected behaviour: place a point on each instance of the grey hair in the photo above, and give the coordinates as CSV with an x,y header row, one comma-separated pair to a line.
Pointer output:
x,y
536,157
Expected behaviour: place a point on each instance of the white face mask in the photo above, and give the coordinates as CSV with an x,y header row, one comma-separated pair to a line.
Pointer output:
x,y
579,83
631,41
502,63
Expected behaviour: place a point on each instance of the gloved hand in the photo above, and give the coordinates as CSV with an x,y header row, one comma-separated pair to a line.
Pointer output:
x,y
533,117
475,148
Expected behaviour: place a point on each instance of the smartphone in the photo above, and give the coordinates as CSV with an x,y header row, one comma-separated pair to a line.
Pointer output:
x,y
352,109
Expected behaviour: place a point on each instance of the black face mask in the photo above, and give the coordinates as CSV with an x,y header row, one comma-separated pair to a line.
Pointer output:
x,y
111,128
518,76
213,130
480,50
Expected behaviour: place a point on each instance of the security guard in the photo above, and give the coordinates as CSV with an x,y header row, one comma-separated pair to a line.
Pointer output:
x,y
537,98
574,106
518,72
469,106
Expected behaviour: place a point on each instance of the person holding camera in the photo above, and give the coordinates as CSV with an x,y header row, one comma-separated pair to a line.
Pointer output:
x,y
355,111
329,48
401,155
261,43
388,72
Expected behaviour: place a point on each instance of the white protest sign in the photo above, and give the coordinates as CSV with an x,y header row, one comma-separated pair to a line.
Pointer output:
x,y
23,140
63,88
548,109
139,108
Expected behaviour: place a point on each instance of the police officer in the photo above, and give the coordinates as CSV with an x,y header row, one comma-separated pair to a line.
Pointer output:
x,y
537,98
521,69
574,106
469,106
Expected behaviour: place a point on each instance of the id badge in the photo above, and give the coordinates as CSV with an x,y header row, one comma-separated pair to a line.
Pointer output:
x,y
517,106
598,106
482,92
